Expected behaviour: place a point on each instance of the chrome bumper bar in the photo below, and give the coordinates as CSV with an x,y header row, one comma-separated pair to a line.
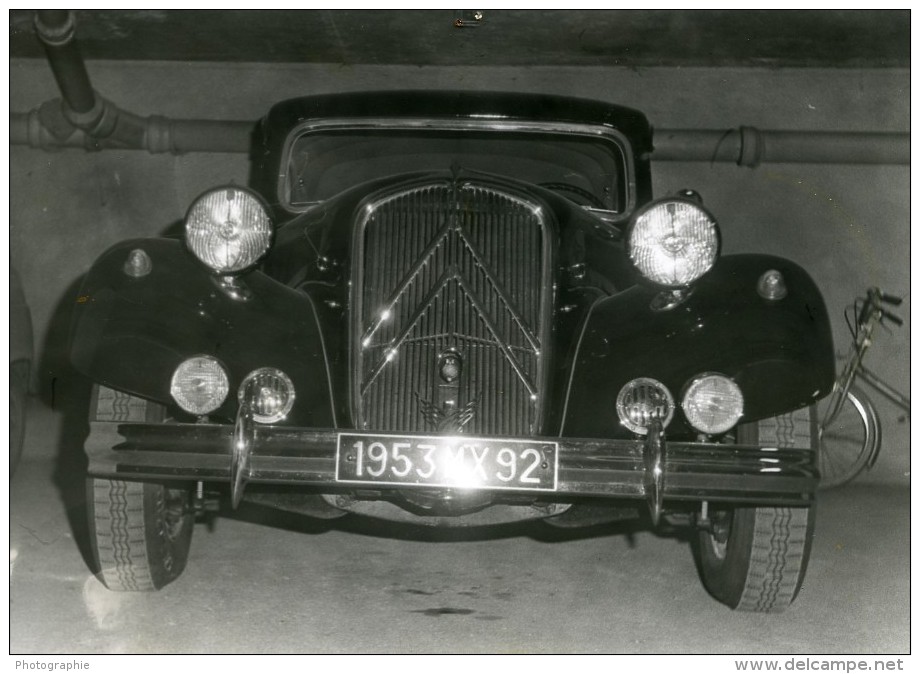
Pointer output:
x,y
651,469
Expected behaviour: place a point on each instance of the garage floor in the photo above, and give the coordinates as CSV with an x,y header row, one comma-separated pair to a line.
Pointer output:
x,y
264,582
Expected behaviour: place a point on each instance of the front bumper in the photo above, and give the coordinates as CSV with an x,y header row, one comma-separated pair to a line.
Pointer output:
x,y
650,469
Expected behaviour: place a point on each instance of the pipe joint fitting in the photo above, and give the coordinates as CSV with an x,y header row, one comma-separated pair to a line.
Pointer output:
x,y
51,116
751,151
51,32
99,121
159,135
37,132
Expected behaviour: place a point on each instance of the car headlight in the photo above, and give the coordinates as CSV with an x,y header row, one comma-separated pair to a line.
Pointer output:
x,y
673,242
228,229
270,392
712,403
641,401
199,385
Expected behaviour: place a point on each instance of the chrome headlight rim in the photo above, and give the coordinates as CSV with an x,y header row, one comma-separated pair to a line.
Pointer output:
x,y
633,384
635,220
283,378
696,381
224,385
265,232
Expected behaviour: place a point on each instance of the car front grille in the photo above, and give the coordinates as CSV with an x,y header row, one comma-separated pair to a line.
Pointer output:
x,y
452,307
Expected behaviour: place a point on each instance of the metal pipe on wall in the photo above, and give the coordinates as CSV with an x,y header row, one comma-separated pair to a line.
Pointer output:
x,y
749,146
744,146
155,134
55,29
85,119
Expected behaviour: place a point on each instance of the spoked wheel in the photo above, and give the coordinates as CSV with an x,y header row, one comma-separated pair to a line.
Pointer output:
x,y
848,442
140,531
754,558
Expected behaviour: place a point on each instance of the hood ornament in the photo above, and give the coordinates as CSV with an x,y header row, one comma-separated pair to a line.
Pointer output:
x,y
450,366
445,414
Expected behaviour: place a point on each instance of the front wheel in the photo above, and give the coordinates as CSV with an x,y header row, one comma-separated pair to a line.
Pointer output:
x,y
140,531
19,390
754,558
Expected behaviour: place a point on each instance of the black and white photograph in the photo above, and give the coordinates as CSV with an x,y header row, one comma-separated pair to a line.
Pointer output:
x,y
446,332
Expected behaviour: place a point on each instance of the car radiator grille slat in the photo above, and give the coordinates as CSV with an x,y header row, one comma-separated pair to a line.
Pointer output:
x,y
451,267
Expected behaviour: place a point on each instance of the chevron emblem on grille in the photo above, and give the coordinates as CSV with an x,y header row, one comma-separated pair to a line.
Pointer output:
x,y
453,275
445,419
451,266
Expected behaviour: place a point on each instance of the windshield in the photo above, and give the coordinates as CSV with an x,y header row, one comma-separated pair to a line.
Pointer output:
x,y
589,169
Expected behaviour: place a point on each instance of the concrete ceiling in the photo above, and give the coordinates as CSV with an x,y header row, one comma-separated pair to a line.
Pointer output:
x,y
631,38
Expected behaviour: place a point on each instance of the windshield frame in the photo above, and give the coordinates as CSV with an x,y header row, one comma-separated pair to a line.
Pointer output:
x,y
483,123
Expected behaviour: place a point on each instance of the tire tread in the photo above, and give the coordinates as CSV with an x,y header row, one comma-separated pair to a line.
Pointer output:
x,y
123,561
132,549
777,559
766,556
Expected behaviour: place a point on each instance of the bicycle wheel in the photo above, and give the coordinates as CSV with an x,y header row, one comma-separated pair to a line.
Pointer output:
x,y
850,441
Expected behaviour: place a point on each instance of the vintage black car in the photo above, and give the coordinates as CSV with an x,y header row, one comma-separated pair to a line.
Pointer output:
x,y
455,309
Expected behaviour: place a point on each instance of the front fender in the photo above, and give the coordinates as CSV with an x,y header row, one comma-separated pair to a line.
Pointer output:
x,y
779,352
131,333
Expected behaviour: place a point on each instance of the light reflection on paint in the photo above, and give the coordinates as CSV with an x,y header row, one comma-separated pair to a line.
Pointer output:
x,y
104,607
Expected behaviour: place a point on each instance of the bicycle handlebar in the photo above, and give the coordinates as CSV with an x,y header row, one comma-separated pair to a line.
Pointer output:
x,y
891,317
893,300
874,299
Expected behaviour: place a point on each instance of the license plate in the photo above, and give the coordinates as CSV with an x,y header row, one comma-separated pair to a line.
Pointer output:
x,y
440,461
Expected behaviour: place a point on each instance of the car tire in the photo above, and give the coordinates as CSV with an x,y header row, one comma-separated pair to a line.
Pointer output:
x,y
755,558
19,389
140,532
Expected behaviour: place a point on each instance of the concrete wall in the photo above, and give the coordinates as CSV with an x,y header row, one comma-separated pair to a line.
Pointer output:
x,y
848,225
